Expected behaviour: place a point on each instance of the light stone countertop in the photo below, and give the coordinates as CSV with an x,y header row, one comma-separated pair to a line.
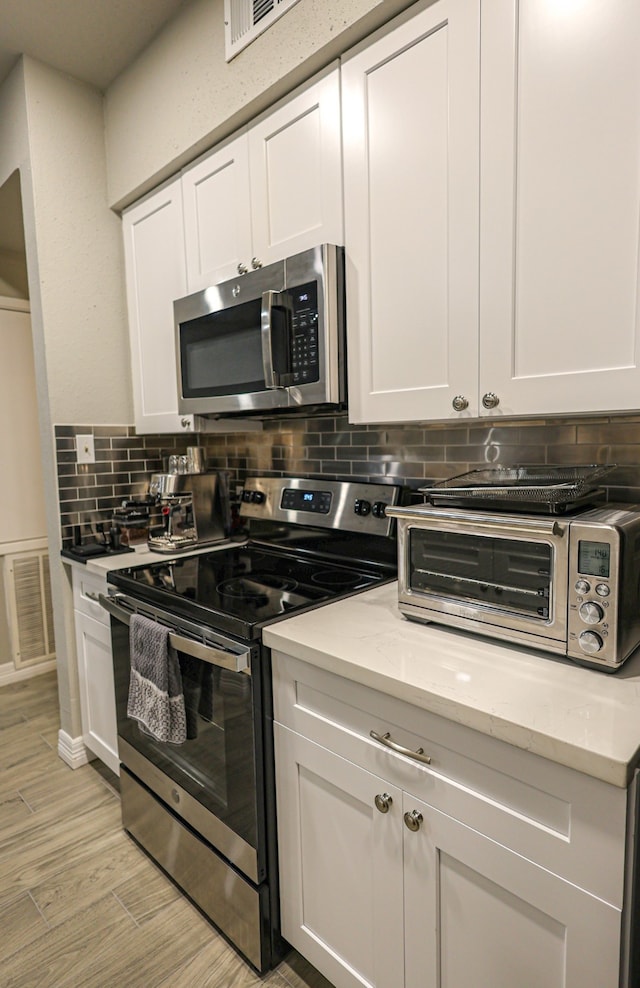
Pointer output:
x,y
579,717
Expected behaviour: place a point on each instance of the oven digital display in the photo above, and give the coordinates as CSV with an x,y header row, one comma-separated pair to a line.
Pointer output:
x,y
316,501
594,558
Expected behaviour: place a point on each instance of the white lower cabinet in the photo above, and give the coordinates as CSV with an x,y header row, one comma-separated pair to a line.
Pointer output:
x,y
380,887
95,669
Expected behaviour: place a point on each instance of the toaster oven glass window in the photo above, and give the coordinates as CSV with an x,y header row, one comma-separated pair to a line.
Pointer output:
x,y
504,574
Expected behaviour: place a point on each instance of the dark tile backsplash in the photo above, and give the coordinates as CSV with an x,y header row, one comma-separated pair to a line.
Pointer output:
x,y
329,446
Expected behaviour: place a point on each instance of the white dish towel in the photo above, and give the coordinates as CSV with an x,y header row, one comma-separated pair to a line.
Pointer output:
x,y
156,699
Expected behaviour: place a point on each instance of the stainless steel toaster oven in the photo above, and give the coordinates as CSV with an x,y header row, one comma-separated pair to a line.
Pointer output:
x,y
569,585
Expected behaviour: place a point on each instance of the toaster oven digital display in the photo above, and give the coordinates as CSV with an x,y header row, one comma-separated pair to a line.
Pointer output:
x,y
594,558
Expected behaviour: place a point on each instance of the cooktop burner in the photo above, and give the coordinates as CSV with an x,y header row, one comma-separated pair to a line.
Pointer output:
x,y
240,588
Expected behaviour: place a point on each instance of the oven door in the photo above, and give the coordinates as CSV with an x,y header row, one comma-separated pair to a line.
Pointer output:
x,y
213,780
503,576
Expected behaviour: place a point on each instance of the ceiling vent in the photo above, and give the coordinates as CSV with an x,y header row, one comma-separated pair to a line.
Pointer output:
x,y
244,20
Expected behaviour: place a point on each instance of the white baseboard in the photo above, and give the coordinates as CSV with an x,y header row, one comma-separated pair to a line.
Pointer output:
x,y
9,673
73,750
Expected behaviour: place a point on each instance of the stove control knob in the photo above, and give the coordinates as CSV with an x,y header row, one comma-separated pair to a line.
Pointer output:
x,y
362,507
257,497
379,509
246,495
590,612
590,642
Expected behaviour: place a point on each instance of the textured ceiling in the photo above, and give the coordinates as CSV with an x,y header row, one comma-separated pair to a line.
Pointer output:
x,y
92,40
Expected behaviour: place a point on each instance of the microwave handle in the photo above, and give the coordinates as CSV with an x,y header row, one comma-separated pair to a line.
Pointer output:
x,y
270,301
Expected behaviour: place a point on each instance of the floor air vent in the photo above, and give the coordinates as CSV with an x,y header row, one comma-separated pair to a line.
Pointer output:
x,y
244,20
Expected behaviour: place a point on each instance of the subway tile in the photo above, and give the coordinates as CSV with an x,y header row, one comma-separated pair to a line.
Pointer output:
x,y
110,431
610,433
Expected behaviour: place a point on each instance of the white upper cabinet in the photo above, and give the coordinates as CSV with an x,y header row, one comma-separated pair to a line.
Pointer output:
x,y
272,191
156,275
492,211
560,205
295,165
217,214
410,132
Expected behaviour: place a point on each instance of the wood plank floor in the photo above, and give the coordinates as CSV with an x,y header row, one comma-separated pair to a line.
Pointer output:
x,y
81,906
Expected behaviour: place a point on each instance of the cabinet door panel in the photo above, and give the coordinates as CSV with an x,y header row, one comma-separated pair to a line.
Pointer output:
x,y
296,177
410,134
97,691
560,202
494,919
217,215
340,865
156,275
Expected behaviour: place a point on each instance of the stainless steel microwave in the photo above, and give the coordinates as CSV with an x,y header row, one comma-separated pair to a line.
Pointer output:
x,y
565,585
270,339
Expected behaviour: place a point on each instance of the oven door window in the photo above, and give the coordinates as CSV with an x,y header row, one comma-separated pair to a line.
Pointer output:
x,y
221,353
216,764
504,574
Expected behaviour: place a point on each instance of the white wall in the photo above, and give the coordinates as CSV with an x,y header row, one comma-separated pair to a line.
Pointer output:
x,y
23,509
52,130
180,97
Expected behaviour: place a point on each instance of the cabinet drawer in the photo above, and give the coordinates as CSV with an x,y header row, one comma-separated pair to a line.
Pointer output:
x,y
86,587
559,818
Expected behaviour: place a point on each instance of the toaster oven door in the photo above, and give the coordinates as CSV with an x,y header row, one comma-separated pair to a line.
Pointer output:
x,y
506,577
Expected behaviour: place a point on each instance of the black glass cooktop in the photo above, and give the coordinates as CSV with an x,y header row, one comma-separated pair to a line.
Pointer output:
x,y
241,588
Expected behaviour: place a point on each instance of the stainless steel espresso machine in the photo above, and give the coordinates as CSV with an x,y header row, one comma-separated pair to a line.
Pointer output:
x,y
194,510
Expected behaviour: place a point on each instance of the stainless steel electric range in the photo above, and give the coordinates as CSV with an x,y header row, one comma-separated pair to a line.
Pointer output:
x,y
204,809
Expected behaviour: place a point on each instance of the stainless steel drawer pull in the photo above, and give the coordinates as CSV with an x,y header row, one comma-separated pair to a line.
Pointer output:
x,y
383,802
413,820
385,739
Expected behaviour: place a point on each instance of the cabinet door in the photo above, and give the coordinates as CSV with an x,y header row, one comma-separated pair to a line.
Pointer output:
x,y
340,865
217,215
410,103
296,173
493,919
560,202
156,275
97,692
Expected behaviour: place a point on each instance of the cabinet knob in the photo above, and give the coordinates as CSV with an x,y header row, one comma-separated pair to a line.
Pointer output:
x,y
256,263
242,268
460,403
185,423
383,802
490,400
413,820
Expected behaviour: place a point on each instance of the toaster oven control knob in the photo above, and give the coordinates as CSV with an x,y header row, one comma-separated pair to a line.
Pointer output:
x,y
257,497
379,509
603,589
362,507
582,587
590,642
590,612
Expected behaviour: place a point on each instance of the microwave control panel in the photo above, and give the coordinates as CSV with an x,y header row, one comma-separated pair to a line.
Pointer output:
x,y
305,361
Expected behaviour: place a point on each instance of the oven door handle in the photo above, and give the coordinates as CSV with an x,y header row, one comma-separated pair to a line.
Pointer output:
x,y
235,662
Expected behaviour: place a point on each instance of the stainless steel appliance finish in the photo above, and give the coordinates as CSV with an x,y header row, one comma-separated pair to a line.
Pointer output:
x,y
213,795
566,585
270,339
194,508
196,868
